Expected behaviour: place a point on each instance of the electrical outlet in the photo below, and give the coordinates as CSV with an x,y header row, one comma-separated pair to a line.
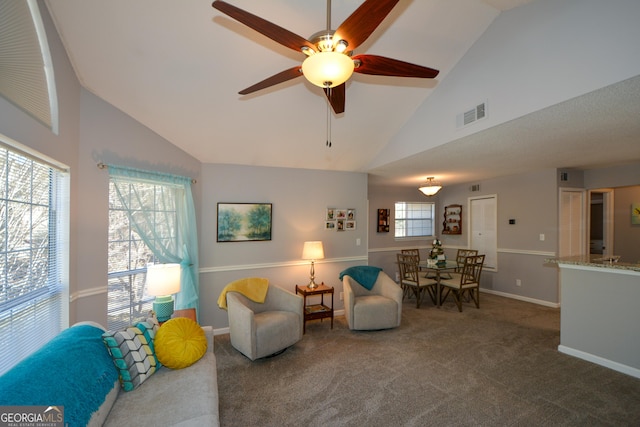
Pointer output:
x,y
341,296
542,237
518,282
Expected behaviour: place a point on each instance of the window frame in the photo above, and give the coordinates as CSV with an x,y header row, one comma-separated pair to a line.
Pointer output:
x,y
133,277
396,219
41,311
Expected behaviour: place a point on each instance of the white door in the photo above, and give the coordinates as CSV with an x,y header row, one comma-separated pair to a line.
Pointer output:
x,y
483,228
572,222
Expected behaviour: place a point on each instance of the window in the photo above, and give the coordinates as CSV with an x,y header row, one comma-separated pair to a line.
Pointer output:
x,y
34,212
129,254
414,219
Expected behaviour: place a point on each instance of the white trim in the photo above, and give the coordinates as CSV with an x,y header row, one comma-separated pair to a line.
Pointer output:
x,y
278,264
396,248
526,252
48,65
521,298
32,154
500,250
87,293
625,369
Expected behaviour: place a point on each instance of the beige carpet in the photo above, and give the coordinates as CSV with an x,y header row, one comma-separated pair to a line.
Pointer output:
x,y
496,366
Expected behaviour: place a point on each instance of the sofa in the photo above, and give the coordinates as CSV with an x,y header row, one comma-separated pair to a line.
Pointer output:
x,y
75,371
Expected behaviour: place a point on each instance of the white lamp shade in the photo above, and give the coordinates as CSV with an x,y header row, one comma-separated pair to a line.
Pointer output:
x,y
163,279
430,188
327,69
313,250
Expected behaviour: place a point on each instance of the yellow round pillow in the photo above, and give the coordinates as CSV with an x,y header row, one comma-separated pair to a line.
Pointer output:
x,y
179,343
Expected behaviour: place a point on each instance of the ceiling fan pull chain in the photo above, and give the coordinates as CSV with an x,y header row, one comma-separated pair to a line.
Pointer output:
x,y
328,15
329,119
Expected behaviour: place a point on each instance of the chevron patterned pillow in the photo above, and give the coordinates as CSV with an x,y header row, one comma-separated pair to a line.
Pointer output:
x,y
133,353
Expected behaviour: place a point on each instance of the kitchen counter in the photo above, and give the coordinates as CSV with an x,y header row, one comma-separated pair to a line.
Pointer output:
x,y
597,261
599,314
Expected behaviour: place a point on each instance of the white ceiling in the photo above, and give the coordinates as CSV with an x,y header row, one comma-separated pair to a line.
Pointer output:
x,y
176,67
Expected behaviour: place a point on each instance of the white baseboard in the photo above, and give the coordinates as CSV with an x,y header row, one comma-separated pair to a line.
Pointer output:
x,y
628,370
521,298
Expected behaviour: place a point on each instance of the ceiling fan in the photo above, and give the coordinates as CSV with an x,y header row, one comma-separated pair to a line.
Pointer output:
x,y
329,63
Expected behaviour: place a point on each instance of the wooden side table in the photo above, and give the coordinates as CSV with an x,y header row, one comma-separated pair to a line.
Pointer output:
x,y
316,311
189,313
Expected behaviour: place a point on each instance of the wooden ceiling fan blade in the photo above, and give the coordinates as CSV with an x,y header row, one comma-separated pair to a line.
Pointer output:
x,y
382,66
264,27
281,77
359,26
336,96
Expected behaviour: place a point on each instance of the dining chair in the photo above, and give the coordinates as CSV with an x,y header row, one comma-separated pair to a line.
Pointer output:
x,y
467,281
461,255
410,279
415,252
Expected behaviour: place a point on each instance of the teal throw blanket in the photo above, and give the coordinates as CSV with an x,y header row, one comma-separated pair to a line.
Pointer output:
x,y
365,275
73,370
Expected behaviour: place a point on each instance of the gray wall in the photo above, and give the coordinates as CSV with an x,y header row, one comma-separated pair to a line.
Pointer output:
x,y
300,199
530,199
383,247
91,131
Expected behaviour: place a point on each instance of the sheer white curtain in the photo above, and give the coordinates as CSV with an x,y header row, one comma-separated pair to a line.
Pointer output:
x,y
172,239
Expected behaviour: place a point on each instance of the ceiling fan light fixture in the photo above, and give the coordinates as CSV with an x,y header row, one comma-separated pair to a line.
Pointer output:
x,y
430,187
327,69
307,51
341,46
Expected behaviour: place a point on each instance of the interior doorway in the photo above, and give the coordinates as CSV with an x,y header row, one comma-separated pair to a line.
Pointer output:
x,y
600,222
483,228
572,222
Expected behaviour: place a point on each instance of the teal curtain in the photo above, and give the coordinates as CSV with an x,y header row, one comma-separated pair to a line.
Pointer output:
x,y
172,239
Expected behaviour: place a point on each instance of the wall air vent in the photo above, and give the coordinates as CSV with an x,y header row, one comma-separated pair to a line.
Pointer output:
x,y
475,187
472,115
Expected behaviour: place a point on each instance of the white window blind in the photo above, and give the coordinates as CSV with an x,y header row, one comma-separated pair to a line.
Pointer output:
x,y
34,250
26,68
129,254
414,219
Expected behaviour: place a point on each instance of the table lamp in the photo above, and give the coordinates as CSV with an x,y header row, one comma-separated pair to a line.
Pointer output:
x,y
163,280
312,251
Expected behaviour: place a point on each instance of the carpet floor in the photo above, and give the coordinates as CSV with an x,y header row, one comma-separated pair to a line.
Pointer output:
x,y
494,366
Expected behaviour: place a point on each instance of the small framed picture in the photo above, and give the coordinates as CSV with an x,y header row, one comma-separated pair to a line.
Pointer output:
x,y
350,225
351,214
340,225
331,214
341,213
330,225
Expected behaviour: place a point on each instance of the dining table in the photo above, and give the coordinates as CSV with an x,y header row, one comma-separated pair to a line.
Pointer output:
x,y
442,266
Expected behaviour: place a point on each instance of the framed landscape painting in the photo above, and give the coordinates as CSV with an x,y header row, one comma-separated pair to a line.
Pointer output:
x,y
244,222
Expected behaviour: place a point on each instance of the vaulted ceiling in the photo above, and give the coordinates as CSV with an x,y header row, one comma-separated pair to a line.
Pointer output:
x,y
177,67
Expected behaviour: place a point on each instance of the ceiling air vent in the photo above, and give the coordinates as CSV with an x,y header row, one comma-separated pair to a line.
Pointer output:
x,y
472,115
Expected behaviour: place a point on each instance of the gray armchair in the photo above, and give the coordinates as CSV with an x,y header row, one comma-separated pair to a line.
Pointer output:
x,y
378,308
259,330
